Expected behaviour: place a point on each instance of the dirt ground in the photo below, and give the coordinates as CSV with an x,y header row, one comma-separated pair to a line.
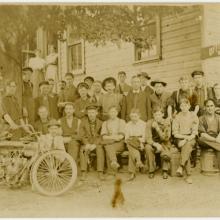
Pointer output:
x,y
143,197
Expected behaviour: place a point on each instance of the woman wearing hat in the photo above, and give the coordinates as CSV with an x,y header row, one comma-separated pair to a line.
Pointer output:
x,y
110,98
160,97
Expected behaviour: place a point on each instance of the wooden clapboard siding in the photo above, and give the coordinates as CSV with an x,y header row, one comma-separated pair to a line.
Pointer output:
x,y
180,44
211,36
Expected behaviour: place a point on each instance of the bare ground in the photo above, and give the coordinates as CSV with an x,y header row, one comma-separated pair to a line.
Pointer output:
x,y
143,197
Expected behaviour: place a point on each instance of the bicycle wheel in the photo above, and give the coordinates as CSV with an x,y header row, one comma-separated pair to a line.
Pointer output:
x,y
53,173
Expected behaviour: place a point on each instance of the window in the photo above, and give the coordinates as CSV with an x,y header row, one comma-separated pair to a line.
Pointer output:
x,y
76,57
149,49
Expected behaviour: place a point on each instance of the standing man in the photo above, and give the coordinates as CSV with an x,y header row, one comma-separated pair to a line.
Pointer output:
x,y
185,130
89,132
27,95
12,112
160,97
69,93
201,90
89,80
122,87
46,100
70,127
145,78
97,91
136,99
158,133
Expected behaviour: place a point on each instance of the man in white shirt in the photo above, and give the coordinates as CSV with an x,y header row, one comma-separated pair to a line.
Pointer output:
x,y
135,138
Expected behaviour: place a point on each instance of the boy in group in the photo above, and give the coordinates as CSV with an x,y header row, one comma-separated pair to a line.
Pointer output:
x,y
89,132
110,98
160,97
82,102
136,99
97,92
122,87
89,80
69,93
113,133
185,130
70,128
185,91
158,133
209,129
41,124
135,139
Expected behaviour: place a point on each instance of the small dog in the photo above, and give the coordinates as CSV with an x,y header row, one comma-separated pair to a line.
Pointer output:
x,y
118,197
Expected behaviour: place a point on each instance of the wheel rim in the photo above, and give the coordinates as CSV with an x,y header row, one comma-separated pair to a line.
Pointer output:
x,y
54,173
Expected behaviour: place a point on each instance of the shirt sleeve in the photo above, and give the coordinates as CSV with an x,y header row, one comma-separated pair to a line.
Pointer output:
x,y
195,125
127,131
122,127
104,130
201,128
148,132
175,126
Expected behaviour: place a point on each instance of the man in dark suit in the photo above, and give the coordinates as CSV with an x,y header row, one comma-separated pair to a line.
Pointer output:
x,y
145,78
89,133
136,99
46,100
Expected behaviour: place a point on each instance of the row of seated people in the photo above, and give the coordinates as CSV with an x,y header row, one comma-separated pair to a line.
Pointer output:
x,y
157,136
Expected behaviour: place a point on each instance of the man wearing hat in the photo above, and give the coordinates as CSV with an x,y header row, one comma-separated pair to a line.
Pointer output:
x,y
70,127
46,100
27,95
82,102
122,87
144,83
110,98
201,90
160,97
53,140
136,99
89,132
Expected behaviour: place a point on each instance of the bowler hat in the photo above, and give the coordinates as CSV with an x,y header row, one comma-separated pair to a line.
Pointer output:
x,y
144,74
108,79
53,122
158,81
27,69
44,83
198,73
82,85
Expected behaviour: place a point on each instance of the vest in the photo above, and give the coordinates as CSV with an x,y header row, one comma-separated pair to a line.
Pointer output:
x,y
67,131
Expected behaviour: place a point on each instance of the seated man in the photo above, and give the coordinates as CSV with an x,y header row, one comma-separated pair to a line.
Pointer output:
x,y
113,133
53,140
158,133
209,129
135,138
41,125
89,132
70,128
185,130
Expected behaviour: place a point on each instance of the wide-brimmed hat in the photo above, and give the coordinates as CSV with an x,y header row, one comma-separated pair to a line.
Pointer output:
x,y
53,122
109,79
197,73
144,74
158,81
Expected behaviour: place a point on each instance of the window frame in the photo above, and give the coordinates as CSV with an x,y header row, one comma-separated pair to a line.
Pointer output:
x,y
158,56
71,44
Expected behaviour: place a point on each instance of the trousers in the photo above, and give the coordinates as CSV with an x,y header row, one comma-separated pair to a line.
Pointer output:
x,y
73,149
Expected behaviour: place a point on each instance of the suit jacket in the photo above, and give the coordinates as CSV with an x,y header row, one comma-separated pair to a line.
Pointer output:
x,y
85,132
148,90
140,101
123,90
52,106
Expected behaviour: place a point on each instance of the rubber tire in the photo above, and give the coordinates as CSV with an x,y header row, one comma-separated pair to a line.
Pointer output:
x,y
35,166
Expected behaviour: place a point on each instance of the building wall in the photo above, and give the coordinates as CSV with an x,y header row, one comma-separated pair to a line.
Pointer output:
x,y
211,36
181,46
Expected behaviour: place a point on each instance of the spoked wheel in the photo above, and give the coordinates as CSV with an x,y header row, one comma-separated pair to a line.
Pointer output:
x,y
53,173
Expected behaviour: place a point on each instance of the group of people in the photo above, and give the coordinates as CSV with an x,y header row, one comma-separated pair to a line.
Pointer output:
x,y
110,117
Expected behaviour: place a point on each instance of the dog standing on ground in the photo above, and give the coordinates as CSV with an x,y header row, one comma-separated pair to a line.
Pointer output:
x,y
118,197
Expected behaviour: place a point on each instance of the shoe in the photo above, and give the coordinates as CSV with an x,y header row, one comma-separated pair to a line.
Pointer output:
x,y
179,171
83,176
165,175
101,176
189,180
139,164
131,177
151,175
115,166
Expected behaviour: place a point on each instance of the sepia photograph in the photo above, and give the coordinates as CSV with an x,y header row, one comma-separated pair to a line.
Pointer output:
x,y
109,109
